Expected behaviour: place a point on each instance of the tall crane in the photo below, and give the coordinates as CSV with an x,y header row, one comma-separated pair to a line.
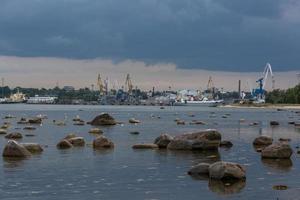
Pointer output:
x,y
128,84
259,93
100,85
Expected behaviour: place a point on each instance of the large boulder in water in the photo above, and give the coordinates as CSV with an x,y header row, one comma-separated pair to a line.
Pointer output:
x,y
277,150
64,144
163,140
262,141
226,170
203,140
102,142
14,149
33,147
103,120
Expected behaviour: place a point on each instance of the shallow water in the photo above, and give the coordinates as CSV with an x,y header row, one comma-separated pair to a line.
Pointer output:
x,y
124,173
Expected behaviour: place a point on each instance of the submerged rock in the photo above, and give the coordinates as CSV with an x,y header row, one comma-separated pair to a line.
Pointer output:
x,y
145,146
134,121
33,147
14,135
277,150
22,121
64,144
200,169
3,132
226,144
180,122
263,141
197,122
274,123
35,120
203,140
226,170
96,131
102,142
14,149
79,123
103,120
163,140
134,132
29,128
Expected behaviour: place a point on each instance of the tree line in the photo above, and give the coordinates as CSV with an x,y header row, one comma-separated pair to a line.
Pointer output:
x,y
289,96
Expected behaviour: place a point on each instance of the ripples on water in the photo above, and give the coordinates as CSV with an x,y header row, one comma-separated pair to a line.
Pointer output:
x,y
124,173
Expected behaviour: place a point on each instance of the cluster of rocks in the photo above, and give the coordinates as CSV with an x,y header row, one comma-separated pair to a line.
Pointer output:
x,y
193,122
220,170
209,139
268,149
72,140
20,150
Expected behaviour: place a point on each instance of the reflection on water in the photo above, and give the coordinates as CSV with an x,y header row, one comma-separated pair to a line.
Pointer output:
x,y
278,164
13,162
226,187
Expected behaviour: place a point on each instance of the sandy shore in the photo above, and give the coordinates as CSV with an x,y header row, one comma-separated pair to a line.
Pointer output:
x,y
263,106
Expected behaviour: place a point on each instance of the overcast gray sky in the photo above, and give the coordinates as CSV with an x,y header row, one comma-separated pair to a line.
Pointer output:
x,y
218,35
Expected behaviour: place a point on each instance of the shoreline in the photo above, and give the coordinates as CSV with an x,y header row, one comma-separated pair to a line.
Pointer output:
x,y
264,106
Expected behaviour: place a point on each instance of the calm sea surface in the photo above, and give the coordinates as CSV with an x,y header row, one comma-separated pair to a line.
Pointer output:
x,y
124,173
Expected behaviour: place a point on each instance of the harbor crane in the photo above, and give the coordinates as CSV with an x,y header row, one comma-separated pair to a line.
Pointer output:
x,y
128,84
259,93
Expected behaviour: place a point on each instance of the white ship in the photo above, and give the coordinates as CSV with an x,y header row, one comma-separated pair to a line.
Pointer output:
x,y
18,97
41,100
204,102
195,98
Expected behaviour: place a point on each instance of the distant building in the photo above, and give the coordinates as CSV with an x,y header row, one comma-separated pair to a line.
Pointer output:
x,y
68,88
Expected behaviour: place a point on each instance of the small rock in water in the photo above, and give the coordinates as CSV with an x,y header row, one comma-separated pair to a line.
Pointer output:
x,y
29,128
291,122
79,123
226,144
254,124
29,135
263,141
14,135
274,123
198,122
162,107
102,142
134,132
35,120
280,187
96,131
3,132
180,122
284,139
103,120
134,121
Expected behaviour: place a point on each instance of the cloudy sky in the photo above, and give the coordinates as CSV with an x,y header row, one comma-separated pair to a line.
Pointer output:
x,y
157,41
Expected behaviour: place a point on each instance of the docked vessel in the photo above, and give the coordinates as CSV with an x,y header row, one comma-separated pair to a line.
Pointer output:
x,y
42,100
196,98
208,103
18,97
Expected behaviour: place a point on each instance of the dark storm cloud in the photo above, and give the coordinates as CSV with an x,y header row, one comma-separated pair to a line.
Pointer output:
x,y
224,35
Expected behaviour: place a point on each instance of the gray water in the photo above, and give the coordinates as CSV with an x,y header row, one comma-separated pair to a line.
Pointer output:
x,y
124,173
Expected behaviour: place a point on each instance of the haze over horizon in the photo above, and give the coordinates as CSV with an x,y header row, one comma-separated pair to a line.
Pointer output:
x,y
161,43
